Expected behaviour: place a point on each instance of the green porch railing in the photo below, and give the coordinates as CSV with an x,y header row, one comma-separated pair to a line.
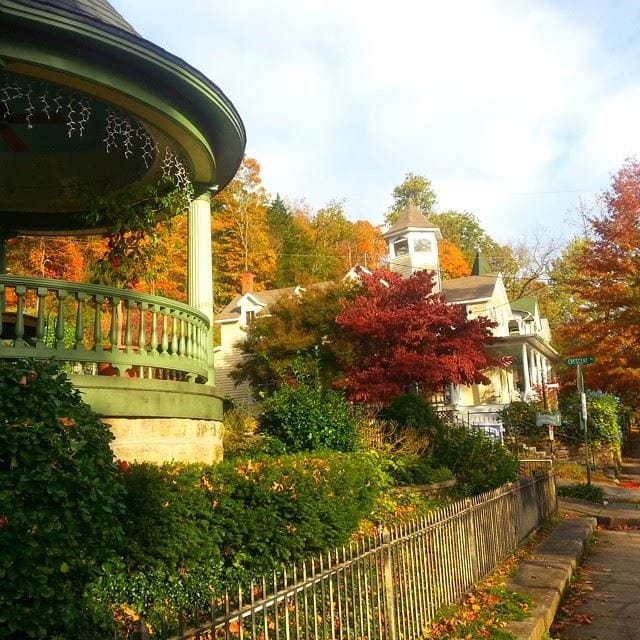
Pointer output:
x,y
101,330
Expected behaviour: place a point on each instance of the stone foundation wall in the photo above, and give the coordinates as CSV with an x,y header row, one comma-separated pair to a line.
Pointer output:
x,y
161,440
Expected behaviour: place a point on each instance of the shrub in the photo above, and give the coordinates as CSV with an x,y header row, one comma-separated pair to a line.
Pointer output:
x,y
519,419
413,412
255,514
478,462
240,438
589,492
307,417
412,469
59,502
602,418
193,530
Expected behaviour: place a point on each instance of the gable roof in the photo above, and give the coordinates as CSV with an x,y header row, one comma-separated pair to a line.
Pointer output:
x,y
264,298
469,288
528,304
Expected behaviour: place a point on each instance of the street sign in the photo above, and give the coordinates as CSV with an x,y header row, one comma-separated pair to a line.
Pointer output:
x,y
572,362
554,419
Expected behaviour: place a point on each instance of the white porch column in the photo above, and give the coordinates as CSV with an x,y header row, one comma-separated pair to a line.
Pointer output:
x,y
200,268
525,370
540,368
535,373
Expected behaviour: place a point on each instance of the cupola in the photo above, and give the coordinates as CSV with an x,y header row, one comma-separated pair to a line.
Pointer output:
x,y
412,242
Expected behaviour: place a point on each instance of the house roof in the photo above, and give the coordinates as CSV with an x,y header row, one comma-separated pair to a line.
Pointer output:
x,y
411,218
527,304
266,298
469,288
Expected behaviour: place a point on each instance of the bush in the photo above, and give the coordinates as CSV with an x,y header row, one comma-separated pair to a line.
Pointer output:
x,y
589,492
413,412
519,419
412,469
59,502
240,437
255,514
196,529
307,417
602,418
478,462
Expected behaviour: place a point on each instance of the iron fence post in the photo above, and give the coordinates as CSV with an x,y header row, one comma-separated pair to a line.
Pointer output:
x,y
387,582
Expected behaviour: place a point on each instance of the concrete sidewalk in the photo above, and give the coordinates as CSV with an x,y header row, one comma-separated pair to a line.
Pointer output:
x,y
610,607
546,574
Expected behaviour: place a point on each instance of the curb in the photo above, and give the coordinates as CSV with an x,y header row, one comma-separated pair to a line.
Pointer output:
x,y
545,576
609,516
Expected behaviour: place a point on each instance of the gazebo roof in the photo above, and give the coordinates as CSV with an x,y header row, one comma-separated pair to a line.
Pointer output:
x,y
97,10
87,106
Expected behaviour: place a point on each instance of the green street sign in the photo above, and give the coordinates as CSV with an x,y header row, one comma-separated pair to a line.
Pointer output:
x,y
572,362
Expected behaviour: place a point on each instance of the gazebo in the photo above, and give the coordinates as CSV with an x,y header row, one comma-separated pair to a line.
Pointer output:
x,y
88,107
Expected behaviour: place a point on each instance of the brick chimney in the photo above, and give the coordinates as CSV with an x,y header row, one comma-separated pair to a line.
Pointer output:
x,y
246,282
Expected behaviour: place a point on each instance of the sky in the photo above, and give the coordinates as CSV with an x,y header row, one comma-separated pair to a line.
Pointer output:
x,y
517,111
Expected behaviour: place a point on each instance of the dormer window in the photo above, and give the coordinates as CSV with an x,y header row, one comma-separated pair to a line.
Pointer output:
x,y
422,245
401,247
249,317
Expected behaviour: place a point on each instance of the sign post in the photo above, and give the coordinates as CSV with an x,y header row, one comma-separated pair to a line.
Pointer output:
x,y
578,363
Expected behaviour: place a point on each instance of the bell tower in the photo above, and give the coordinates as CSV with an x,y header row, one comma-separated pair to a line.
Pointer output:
x,y
412,243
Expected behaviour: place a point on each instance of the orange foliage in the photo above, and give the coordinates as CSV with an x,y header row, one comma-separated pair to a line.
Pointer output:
x,y
606,272
240,233
452,261
370,247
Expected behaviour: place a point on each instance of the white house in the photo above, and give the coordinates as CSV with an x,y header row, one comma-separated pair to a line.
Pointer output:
x,y
520,334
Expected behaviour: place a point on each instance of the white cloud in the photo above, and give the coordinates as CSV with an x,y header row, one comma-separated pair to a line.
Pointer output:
x,y
489,99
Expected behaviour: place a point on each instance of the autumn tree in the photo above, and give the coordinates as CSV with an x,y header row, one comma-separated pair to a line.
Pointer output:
x,y
369,248
60,258
416,188
332,240
402,334
560,301
607,281
299,337
167,271
452,261
291,243
527,269
240,233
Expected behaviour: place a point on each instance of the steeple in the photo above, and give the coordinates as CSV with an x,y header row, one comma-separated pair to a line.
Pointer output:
x,y
480,265
413,243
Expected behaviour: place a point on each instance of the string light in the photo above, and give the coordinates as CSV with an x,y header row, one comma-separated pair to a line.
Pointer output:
x,y
122,132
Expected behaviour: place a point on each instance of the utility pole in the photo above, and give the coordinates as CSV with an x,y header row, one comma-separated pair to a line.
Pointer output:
x,y
583,419
578,362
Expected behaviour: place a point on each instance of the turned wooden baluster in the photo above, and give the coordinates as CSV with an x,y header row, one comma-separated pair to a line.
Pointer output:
x,y
59,335
113,333
97,324
40,323
79,335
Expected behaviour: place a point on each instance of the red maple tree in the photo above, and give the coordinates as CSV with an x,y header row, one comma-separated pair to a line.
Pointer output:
x,y
402,334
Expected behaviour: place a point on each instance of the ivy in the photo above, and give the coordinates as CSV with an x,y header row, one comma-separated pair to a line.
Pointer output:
x,y
132,219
